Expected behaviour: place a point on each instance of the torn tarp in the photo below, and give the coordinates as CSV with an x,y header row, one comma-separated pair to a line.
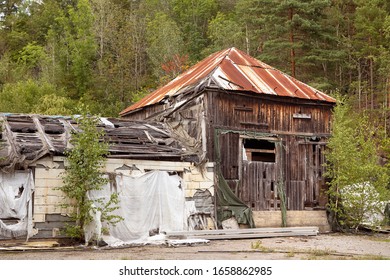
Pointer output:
x,y
16,190
229,205
151,203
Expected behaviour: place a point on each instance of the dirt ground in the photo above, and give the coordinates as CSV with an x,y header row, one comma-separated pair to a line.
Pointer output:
x,y
323,246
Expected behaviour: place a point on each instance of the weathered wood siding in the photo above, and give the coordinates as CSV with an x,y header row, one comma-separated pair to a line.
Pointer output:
x,y
301,127
258,187
262,113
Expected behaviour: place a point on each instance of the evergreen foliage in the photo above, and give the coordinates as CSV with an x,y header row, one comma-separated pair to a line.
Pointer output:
x,y
104,53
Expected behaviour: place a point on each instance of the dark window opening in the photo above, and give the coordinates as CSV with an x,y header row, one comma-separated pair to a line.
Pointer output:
x,y
259,150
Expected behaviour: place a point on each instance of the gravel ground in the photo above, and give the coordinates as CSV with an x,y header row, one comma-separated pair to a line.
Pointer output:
x,y
323,246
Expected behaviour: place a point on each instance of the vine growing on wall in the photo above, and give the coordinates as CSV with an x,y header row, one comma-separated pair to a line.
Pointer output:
x,y
83,175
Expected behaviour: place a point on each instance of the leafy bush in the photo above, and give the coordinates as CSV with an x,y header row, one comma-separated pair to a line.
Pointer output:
x,y
83,175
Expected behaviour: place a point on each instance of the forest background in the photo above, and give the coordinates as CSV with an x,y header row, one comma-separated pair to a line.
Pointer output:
x,y
57,55
110,53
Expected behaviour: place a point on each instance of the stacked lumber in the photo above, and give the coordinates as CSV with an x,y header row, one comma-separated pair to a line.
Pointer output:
x,y
243,233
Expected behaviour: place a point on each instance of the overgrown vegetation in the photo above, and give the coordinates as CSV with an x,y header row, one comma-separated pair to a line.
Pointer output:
x,y
359,181
83,176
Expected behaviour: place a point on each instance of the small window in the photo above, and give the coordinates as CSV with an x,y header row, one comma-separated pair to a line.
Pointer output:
x,y
259,150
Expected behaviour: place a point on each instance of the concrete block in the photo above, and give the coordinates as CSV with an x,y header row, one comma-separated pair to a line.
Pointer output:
x,y
192,185
42,173
49,209
39,218
206,185
294,219
197,178
48,182
190,192
49,200
44,191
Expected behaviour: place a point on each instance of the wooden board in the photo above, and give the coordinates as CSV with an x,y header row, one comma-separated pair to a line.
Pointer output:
x,y
245,233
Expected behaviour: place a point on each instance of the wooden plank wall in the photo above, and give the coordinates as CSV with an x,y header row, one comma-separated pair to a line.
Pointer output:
x,y
258,185
304,172
229,153
264,114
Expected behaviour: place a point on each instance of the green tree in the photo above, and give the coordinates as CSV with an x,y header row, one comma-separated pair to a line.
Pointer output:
x,y
353,167
369,42
122,62
164,44
192,17
294,33
54,104
83,175
224,31
82,45
72,49
29,96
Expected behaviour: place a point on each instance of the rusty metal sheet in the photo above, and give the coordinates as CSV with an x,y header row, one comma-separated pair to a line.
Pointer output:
x,y
234,70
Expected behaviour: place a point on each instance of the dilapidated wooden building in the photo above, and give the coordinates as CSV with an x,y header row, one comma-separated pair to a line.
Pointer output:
x,y
33,163
265,130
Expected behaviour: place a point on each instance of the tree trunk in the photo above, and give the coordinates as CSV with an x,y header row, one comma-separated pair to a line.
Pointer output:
x,y
292,50
247,39
372,81
359,84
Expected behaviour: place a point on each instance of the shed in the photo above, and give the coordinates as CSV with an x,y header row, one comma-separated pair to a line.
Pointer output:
x,y
265,130
32,163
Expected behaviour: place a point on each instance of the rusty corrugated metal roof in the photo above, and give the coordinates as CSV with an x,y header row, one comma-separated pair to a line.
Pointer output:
x,y
232,69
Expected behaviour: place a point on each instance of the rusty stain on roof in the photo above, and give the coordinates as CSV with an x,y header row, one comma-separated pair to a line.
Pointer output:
x,y
233,70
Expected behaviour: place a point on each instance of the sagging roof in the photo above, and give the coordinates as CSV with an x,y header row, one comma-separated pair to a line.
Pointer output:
x,y
27,138
233,70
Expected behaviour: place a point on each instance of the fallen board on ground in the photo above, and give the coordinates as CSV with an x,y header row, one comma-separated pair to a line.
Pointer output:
x,y
245,233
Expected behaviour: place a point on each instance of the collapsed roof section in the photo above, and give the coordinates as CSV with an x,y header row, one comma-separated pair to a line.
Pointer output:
x,y
233,70
27,138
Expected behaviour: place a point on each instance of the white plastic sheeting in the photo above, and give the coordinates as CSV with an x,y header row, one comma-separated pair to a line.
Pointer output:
x,y
16,190
371,210
153,201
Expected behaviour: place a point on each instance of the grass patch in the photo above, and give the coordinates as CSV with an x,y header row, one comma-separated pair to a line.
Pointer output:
x,y
379,238
260,247
320,253
290,254
371,257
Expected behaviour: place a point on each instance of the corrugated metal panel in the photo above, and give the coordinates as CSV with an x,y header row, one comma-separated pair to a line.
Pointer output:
x,y
232,69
